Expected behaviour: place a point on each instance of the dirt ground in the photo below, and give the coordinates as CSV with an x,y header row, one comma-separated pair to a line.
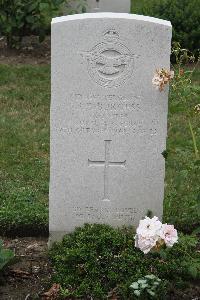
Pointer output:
x,y
31,52
28,276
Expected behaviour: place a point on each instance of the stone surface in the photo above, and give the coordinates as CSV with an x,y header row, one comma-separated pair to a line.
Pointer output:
x,y
108,123
122,6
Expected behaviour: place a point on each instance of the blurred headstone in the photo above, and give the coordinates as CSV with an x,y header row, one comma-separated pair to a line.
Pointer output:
x,y
122,6
94,6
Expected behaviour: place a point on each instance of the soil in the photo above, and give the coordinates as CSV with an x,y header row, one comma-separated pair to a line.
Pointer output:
x,y
31,52
28,276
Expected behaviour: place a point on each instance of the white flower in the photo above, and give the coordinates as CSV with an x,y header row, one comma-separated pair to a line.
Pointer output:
x,y
197,108
145,244
171,74
152,234
157,81
161,78
149,227
170,235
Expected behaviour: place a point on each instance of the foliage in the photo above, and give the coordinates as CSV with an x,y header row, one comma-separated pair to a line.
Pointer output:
x,y
99,261
147,287
22,17
181,82
80,6
183,14
6,256
183,162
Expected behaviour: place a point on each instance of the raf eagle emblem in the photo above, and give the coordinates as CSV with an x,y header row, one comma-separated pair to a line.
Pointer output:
x,y
110,63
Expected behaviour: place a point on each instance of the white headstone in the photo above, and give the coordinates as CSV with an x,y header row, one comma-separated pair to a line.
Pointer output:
x,y
122,6
108,122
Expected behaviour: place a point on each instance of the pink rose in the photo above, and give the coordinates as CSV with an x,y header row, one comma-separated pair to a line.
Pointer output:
x,y
149,227
145,244
170,235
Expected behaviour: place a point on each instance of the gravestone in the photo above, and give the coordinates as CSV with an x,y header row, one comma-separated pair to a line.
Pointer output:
x,y
108,122
94,6
108,6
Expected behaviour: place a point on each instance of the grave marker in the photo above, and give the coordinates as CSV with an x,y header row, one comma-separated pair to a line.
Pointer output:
x,y
122,6
108,122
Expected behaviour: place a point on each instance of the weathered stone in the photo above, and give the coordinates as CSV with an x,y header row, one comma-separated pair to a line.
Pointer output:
x,y
108,6
95,6
108,122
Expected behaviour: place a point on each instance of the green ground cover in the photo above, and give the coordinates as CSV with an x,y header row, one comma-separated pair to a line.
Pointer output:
x,y
137,5
24,153
24,144
99,262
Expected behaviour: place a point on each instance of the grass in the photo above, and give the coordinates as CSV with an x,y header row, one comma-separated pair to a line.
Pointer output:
x,y
137,5
182,193
24,154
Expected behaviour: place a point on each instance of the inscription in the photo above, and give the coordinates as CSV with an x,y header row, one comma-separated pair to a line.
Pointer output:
x,y
105,103
101,213
112,127
112,114
108,114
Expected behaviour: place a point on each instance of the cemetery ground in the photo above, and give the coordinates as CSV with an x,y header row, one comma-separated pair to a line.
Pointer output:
x,y
24,175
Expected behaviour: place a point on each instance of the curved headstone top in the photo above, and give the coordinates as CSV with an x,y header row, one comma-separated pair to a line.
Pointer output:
x,y
110,15
108,122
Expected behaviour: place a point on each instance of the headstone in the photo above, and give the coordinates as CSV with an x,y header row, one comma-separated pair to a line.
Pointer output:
x,y
122,6
94,6
108,122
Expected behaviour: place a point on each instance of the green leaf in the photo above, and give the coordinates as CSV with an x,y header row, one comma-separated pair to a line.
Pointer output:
x,y
137,293
44,6
144,286
134,285
30,19
163,254
150,276
197,162
32,7
8,28
5,256
141,281
193,271
196,231
151,292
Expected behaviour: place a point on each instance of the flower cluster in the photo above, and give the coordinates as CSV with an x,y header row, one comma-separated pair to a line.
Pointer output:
x,y
151,234
161,78
197,108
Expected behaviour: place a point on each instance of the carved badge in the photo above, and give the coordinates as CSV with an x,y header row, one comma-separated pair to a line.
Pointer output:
x,y
110,62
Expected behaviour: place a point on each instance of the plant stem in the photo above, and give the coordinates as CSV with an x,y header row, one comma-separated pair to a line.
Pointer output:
x,y
194,141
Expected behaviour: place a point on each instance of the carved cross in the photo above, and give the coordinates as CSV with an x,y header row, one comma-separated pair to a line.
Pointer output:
x,y
106,164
